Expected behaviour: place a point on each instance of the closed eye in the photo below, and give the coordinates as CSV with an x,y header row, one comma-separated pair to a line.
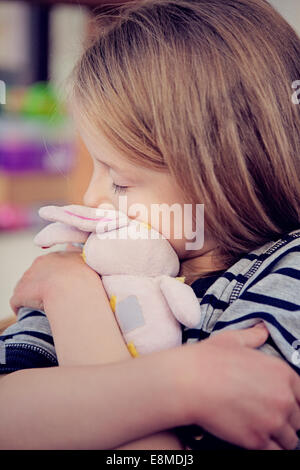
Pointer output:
x,y
119,189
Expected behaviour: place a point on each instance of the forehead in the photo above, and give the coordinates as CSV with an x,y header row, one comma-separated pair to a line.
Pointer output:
x,y
100,147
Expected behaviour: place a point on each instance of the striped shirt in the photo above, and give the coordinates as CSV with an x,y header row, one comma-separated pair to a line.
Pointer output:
x,y
263,285
28,343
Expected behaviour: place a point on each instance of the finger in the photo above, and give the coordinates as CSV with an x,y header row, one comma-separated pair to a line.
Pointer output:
x,y
15,301
14,304
286,437
273,445
294,419
296,388
251,337
71,247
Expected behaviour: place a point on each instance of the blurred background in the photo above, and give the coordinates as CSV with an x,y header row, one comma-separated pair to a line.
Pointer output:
x,y
42,159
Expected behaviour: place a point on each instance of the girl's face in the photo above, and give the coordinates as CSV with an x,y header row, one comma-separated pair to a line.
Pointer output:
x,y
116,176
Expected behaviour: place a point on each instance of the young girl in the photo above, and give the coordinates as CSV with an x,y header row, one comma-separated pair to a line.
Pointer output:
x,y
185,101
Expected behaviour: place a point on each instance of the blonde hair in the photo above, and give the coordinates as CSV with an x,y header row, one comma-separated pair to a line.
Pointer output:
x,y
202,88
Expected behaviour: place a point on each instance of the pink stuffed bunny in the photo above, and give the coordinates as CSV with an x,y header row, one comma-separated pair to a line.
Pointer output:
x,y
137,267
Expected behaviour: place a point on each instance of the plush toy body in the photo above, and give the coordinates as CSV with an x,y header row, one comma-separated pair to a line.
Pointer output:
x,y
144,316
138,268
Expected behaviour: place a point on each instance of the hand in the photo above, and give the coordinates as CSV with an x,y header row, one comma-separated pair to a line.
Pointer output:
x,y
46,273
243,396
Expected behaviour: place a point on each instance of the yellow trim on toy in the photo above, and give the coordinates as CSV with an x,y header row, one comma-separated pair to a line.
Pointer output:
x,y
181,279
148,226
83,255
113,302
132,349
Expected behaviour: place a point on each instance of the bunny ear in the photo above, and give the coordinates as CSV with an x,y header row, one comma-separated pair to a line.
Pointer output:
x,y
85,218
58,232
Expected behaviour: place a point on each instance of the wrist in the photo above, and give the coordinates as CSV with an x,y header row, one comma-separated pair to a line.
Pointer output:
x,y
193,383
176,387
184,378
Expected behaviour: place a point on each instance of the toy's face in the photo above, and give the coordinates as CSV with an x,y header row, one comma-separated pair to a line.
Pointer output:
x,y
114,243
131,251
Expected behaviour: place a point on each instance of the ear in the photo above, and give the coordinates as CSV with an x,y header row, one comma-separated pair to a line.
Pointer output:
x,y
59,233
85,218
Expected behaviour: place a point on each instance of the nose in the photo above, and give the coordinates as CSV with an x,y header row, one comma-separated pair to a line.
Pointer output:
x,y
95,193
90,197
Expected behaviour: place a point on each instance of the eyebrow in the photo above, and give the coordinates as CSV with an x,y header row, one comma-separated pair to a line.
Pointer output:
x,y
126,172
110,165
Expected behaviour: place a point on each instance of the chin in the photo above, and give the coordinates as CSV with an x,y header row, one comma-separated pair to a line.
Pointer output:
x,y
178,247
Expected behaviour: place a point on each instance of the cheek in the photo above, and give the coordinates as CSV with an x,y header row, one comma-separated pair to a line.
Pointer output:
x,y
139,205
135,204
179,246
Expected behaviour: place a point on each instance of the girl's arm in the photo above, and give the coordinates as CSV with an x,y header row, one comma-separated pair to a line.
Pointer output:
x,y
85,330
90,407
239,394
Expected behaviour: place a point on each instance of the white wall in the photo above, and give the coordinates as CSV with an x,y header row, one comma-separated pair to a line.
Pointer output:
x,y
68,27
290,10
13,35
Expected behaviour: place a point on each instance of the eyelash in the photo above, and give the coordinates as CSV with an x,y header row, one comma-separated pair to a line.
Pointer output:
x,y
119,189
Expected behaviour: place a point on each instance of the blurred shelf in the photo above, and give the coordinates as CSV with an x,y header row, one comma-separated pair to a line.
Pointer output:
x,y
36,187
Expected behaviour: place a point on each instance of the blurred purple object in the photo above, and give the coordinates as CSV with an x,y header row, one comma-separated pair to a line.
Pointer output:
x,y
35,145
22,157
19,157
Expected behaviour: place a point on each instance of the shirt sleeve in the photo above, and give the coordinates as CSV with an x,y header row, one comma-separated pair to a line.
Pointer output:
x,y
272,296
28,343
